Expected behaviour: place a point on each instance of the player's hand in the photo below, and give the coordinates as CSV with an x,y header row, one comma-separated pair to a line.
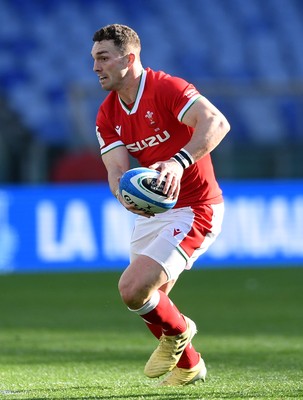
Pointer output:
x,y
172,171
132,208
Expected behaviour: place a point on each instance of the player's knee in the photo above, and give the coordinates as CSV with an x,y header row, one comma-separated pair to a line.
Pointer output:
x,y
126,291
130,294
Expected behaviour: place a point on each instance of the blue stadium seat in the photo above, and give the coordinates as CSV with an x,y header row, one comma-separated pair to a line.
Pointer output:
x,y
203,41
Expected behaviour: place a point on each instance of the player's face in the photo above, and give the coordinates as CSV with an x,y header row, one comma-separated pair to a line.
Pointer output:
x,y
110,66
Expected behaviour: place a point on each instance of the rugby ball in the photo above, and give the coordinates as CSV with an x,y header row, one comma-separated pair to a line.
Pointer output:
x,y
138,186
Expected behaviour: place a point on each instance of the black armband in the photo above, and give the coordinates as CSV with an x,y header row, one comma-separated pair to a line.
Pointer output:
x,y
184,158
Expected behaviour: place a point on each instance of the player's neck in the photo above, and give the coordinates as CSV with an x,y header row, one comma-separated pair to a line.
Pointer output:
x,y
128,92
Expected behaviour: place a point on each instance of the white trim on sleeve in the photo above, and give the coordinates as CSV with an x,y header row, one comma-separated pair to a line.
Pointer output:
x,y
111,146
187,106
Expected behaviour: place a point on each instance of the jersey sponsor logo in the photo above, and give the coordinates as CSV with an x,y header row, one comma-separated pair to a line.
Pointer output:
x,y
148,142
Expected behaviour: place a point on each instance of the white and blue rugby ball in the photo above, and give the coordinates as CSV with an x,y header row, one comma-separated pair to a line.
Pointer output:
x,y
138,186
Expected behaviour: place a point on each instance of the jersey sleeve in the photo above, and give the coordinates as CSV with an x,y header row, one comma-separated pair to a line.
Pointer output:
x,y
107,135
179,95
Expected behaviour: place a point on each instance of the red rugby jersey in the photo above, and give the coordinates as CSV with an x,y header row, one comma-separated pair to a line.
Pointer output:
x,y
152,130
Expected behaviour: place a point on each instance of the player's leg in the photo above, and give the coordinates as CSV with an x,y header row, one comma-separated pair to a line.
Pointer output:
x,y
185,373
190,357
148,238
189,228
156,330
138,287
191,367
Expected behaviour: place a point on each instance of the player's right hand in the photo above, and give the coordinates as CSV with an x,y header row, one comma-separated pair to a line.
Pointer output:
x,y
172,171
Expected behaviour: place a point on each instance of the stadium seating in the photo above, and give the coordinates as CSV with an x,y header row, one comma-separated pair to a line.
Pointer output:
x,y
45,54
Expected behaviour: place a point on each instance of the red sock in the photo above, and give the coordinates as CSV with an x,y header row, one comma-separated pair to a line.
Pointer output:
x,y
156,330
167,316
189,358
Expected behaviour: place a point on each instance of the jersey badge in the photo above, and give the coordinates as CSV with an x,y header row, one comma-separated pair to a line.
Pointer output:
x,y
150,118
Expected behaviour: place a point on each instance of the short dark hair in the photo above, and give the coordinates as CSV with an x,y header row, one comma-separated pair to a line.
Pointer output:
x,y
123,36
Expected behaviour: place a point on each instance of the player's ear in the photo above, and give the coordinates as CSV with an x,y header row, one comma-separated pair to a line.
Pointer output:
x,y
131,59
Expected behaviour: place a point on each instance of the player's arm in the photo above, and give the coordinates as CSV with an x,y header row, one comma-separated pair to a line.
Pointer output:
x,y
116,162
210,127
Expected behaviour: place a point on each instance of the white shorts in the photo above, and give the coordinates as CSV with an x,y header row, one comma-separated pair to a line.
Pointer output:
x,y
176,238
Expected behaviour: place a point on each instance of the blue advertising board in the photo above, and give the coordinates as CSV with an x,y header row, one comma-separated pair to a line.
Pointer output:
x,y
83,227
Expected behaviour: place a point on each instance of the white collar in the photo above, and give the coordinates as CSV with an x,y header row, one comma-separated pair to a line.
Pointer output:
x,y
138,95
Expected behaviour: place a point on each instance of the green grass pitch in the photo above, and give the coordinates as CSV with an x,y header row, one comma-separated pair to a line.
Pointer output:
x,y
68,336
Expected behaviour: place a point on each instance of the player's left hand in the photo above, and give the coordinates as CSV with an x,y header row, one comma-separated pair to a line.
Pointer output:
x,y
132,208
172,171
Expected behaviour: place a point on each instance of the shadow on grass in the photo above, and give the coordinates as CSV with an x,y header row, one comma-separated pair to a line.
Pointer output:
x,y
176,394
32,394
159,394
